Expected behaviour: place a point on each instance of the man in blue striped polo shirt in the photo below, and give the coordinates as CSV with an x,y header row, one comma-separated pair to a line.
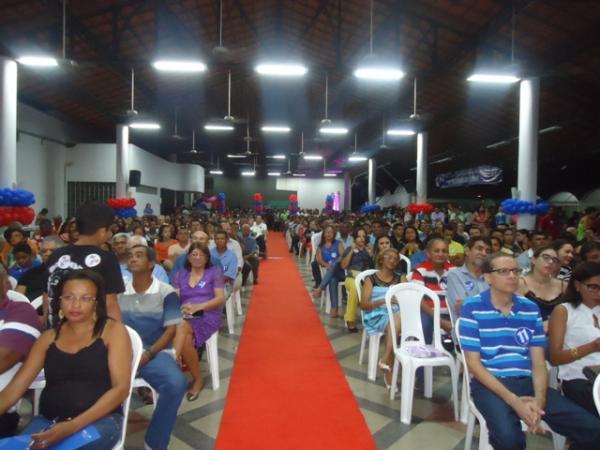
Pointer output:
x,y
502,335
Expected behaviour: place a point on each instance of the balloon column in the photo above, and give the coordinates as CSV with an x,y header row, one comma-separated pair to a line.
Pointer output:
x,y
416,208
329,203
258,203
293,204
516,206
14,206
221,202
123,207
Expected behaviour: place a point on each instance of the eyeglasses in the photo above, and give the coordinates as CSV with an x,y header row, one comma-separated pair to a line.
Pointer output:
x,y
550,259
87,299
505,272
595,288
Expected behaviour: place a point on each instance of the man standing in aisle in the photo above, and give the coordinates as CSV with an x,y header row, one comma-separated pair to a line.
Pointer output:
x,y
510,378
259,228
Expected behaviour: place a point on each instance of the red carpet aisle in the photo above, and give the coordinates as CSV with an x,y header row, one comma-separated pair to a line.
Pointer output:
x,y
287,389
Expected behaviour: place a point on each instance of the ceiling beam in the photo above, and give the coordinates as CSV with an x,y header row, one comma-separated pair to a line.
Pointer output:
x,y
323,4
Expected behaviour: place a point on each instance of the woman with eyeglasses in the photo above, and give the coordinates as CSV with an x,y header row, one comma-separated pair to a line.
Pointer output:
x,y
575,334
86,359
201,288
540,284
372,302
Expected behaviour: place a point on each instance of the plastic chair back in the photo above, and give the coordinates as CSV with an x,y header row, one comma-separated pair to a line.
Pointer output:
x,y
16,297
596,391
137,350
315,241
37,302
13,282
409,296
360,278
408,264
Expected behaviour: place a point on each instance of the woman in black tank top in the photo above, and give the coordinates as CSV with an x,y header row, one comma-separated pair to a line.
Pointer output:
x,y
80,356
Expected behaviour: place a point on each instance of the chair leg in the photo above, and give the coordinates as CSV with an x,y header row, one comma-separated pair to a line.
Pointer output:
x,y
230,314
428,391
558,441
37,394
407,389
212,356
484,437
464,401
394,385
454,376
238,302
363,344
373,357
470,429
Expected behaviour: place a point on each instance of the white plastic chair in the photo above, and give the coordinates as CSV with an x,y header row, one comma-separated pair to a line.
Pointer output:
x,y
373,340
408,264
411,295
137,349
558,441
230,313
212,356
326,297
13,282
17,297
596,390
37,302
315,240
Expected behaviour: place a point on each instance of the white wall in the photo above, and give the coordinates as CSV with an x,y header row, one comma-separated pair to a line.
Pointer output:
x,y
312,191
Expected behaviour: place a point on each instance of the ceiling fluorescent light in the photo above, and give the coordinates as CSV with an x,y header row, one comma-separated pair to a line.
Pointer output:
x,y
298,174
313,157
493,78
216,172
400,132
248,173
144,125
38,61
357,158
379,73
333,130
277,156
281,70
330,174
215,127
274,174
235,156
276,129
179,66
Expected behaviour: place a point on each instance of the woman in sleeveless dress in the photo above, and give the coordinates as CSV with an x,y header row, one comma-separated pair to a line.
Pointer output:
x,y
86,359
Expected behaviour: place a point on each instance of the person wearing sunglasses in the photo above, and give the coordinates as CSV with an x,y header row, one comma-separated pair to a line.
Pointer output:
x,y
575,334
540,285
503,339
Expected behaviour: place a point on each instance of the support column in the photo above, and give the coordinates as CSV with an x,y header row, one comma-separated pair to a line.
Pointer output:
x,y
421,187
529,105
347,191
372,180
122,159
8,123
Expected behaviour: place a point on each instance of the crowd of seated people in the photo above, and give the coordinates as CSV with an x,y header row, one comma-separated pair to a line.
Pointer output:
x,y
474,261
95,274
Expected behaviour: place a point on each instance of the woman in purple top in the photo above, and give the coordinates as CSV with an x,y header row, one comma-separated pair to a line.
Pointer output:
x,y
200,288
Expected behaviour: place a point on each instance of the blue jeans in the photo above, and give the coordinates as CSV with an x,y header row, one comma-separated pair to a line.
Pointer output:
x,y
562,415
109,428
332,277
170,384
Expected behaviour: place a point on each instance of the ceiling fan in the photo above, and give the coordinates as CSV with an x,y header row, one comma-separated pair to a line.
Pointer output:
x,y
223,54
247,139
193,150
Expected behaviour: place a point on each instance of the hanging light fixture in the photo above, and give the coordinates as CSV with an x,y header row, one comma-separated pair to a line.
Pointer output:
x,y
326,126
505,75
355,156
136,121
182,66
304,155
280,69
227,123
408,128
374,67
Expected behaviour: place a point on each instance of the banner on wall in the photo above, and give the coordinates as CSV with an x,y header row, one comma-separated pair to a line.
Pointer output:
x,y
470,177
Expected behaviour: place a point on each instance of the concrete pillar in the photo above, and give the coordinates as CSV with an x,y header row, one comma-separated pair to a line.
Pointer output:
x,y
529,102
372,180
421,186
122,160
8,123
347,191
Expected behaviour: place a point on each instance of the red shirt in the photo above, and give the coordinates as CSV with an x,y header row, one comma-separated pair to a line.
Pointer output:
x,y
426,275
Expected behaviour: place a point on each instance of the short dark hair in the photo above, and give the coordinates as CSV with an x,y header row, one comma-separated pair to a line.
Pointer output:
x,y
432,239
101,310
582,272
486,240
197,246
488,262
588,247
150,252
22,247
543,248
524,231
9,232
560,243
223,232
92,216
537,232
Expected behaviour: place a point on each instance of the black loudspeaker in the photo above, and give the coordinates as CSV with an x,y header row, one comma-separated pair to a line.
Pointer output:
x,y
135,178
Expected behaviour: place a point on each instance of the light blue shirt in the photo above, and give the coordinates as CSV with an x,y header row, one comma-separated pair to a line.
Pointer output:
x,y
229,261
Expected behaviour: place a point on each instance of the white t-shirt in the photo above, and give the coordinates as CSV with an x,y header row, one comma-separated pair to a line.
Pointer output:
x,y
259,229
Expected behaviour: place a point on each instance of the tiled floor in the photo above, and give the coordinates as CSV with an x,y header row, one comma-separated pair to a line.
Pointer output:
x,y
433,424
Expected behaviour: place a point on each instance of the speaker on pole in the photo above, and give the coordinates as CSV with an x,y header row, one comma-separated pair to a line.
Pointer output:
x,y
135,178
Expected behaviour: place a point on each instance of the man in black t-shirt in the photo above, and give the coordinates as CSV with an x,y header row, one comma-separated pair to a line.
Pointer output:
x,y
93,223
